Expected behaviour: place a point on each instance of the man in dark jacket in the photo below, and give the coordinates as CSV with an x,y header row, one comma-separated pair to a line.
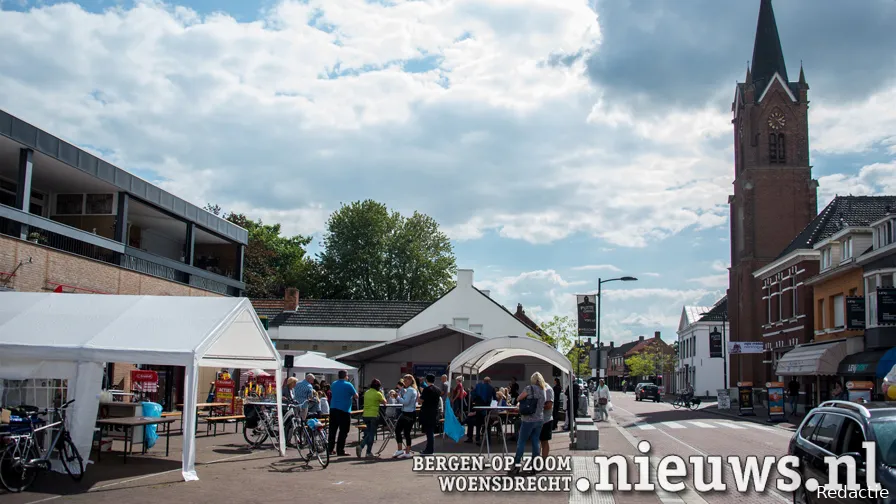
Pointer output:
x,y
482,395
558,389
572,402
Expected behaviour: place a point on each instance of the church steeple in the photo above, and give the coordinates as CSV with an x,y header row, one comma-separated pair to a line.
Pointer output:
x,y
768,57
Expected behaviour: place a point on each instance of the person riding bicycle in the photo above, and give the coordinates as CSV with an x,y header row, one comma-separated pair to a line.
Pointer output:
x,y
688,394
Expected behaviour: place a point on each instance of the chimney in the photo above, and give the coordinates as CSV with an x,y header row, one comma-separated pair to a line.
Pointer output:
x,y
464,278
612,344
291,299
519,309
486,292
656,335
640,338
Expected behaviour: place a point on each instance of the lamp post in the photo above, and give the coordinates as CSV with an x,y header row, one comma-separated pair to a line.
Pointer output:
x,y
600,283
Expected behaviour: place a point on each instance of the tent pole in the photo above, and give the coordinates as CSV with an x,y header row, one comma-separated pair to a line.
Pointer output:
x,y
279,377
191,389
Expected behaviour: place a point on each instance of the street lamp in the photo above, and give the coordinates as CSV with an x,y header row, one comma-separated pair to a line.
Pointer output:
x,y
600,283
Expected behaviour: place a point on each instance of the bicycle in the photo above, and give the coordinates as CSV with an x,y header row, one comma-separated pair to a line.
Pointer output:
x,y
691,403
22,458
267,426
310,437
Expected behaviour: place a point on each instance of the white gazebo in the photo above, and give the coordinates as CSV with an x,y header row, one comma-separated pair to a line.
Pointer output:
x,y
318,363
486,353
70,336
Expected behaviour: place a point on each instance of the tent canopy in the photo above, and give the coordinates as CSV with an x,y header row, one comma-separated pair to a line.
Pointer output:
x,y
76,333
486,353
311,362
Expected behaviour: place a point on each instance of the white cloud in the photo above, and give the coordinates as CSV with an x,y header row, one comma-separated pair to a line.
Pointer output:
x,y
597,267
842,128
712,281
873,179
651,274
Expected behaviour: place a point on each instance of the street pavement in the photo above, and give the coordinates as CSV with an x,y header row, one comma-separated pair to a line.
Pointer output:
x,y
687,433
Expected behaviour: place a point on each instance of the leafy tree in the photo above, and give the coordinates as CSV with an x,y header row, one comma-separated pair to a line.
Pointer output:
x,y
371,252
654,359
272,262
562,333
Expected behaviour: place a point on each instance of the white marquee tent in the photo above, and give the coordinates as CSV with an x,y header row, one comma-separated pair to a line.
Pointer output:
x,y
70,336
318,363
488,352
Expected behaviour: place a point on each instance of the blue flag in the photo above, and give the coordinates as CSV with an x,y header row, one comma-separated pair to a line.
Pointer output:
x,y
453,428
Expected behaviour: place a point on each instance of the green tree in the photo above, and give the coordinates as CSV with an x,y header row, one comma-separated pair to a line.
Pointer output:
x,y
562,333
272,261
371,252
655,359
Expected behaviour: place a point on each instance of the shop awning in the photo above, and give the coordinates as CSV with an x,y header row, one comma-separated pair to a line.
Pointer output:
x,y
821,359
875,363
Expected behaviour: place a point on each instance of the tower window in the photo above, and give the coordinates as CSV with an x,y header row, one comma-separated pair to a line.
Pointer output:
x,y
776,148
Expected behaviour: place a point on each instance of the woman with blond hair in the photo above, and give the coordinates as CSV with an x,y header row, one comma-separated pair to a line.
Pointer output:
x,y
531,403
408,416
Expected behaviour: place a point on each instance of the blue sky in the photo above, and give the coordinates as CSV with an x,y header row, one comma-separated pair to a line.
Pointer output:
x,y
556,141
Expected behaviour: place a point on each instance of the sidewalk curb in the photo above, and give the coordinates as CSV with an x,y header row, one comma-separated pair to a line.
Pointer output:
x,y
753,419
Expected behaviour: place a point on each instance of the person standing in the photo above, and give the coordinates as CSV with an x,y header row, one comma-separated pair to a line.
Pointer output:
x,y
483,395
373,398
430,400
558,390
514,388
530,425
408,417
793,389
547,428
603,400
445,387
343,394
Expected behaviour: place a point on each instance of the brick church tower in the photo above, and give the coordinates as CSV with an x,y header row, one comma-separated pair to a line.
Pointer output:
x,y
774,193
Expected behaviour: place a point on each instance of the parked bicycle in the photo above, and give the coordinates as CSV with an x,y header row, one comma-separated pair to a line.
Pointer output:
x,y
23,457
262,425
308,436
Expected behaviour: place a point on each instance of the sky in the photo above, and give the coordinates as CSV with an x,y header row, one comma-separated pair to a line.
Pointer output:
x,y
557,142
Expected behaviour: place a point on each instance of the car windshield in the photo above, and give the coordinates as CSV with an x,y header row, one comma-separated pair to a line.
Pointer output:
x,y
885,436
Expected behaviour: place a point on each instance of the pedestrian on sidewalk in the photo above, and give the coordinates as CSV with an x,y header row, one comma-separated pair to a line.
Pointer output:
x,y
793,389
603,400
530,427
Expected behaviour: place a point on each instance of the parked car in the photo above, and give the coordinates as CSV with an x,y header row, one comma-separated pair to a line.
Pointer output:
x,y
838,428
648,391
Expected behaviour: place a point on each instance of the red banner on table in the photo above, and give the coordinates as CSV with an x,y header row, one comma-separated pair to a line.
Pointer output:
x,y
144,375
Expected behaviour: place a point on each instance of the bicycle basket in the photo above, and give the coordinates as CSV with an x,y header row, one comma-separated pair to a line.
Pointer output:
x,y
251,413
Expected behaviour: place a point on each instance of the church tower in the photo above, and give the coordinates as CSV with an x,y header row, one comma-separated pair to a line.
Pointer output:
x,y
774,193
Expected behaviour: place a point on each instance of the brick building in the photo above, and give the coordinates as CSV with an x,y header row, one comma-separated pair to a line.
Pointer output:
x,y
73,223
774,193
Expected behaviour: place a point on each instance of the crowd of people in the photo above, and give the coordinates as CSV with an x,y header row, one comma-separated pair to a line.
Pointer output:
x,y
421,401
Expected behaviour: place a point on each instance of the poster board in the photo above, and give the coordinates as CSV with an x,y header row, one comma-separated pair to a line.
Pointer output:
x,y
745,398
224,393
587,315
775,392
724,399
859,391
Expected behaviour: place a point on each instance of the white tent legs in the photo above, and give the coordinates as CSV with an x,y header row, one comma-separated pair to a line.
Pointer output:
x,y
82,413
188,420
571,411
279,378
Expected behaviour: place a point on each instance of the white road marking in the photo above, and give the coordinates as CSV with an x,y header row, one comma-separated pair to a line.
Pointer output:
x,y
702,425
644,426
674,425
730,425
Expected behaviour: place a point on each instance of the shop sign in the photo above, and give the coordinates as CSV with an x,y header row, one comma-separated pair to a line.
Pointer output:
x,y
587,315
745,347
856,369
775,401
855,312
144,375
886,305
437,370
745,398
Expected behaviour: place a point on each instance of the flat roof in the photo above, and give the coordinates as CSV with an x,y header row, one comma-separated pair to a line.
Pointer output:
x,y
40,141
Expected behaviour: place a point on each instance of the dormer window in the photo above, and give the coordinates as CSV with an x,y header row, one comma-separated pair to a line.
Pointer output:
x,y
847,249
826,258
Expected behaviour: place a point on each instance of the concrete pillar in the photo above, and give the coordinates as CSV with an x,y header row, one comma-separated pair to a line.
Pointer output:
x,y
23,186
190,245
121,220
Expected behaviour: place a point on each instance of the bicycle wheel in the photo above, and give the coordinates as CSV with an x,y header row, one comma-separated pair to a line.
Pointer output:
x,y
256,435
14,476
71,459
676,403
303,445
320,448
693,405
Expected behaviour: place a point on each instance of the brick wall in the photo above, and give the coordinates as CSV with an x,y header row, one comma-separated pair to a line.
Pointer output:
x,y
842,284
50,267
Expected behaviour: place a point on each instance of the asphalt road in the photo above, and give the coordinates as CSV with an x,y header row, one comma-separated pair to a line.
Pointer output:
x,y
687,433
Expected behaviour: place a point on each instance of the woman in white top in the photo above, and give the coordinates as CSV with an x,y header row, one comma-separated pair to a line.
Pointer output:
x,y
408,417
602,395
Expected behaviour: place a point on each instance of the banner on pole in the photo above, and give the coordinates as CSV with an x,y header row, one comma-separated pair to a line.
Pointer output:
x,y
587,311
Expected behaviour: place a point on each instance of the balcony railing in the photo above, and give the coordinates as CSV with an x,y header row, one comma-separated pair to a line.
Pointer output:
x,y
52,234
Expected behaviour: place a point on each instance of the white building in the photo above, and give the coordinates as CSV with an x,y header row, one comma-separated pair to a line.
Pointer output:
x,y
384,338
695,366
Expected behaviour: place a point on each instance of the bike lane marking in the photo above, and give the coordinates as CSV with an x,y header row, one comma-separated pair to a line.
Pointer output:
x,y
702,425
674,425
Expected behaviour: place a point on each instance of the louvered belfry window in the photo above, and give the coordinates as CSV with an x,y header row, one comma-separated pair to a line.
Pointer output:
x,y
776,151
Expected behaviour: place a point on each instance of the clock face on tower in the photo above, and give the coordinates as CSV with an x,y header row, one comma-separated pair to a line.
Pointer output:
x,y
776,120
